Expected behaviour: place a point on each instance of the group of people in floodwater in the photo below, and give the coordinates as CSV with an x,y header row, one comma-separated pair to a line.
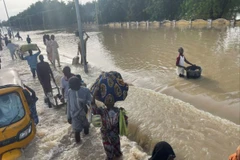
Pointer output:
x,y
79,100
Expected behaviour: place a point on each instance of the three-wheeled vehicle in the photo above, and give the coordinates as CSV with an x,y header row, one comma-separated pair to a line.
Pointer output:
x,y
17,129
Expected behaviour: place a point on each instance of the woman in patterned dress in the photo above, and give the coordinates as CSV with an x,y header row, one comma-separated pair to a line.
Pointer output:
x,y
110,126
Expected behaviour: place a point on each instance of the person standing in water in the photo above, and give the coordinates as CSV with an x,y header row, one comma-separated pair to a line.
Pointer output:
x,y
18,36
85,48
110,126
32,61
1,44
180,62
78,98
10,33
44,74
28,39
55,54
12,48
44,39
49,48
64,82
6,40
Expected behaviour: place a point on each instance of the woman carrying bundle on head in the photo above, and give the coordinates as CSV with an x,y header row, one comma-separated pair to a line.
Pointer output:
x,y
110,88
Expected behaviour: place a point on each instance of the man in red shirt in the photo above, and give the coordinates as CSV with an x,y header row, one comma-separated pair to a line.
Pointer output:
x,y
180,62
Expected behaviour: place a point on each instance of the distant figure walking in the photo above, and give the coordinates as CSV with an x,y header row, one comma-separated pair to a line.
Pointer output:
x,y
44,39
32,61
18,36
180,62
85,48
49,48
12,48
44,74
64,82
55,54
1,44
10,33
6,40
28,39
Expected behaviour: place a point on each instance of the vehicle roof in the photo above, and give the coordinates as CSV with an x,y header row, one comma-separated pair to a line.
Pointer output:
x,y
9,77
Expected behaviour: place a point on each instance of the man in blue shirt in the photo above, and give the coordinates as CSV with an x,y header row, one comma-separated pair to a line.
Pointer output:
x,y
32,61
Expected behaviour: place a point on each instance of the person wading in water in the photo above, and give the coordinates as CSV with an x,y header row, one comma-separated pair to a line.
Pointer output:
x,y
44,74
85,49
180,62
32,61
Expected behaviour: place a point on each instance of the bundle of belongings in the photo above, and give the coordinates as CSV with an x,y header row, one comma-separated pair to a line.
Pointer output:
x,y
26,47
193,71
111,88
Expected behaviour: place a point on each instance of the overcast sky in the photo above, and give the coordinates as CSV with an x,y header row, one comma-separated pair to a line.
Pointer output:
x,y
16,6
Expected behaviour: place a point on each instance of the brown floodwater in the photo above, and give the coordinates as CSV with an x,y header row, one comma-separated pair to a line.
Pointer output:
x,y
200,118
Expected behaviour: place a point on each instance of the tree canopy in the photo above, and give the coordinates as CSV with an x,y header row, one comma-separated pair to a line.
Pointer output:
x,y
53,13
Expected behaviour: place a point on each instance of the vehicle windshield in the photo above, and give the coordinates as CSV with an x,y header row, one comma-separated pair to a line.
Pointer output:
x,y
11,109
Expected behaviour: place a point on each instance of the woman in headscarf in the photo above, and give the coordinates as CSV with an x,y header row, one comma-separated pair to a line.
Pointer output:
x,y
110,87
162,151
78,98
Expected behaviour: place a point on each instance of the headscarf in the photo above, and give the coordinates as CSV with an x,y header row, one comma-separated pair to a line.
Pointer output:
x,y
74,83
162,151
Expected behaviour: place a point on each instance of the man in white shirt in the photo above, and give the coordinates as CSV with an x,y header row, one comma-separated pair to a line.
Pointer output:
x,y
12,48
55,55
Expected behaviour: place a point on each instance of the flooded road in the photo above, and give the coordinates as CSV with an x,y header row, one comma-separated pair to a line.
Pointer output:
x,y
192,115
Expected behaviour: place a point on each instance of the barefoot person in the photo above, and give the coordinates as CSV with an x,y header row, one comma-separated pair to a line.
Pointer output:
x,y
180,62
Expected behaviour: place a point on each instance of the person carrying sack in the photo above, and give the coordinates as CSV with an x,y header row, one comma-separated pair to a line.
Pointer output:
x,y
78,98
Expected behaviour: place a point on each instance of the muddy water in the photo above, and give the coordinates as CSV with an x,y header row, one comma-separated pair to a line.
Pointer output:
x,y
146,58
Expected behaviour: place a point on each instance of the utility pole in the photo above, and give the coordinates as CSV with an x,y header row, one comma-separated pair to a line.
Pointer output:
x,y
7,15
81,36
96,11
